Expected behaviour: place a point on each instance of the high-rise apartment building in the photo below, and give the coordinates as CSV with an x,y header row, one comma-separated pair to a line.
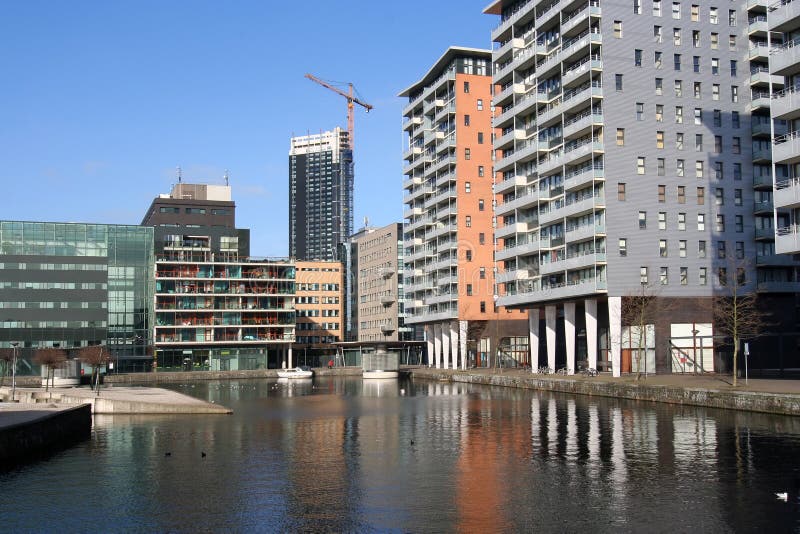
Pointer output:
x,y
783,19
625,166
320,194
449,279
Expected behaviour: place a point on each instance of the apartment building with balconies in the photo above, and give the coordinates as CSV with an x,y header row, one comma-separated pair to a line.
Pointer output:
x,y
624,168
448,247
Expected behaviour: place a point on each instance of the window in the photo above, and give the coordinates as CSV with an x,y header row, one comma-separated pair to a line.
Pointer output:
x,y
721,252
637,58
466,153
719,196
713,16
620,136
684,276
732,42
696,63
662,220
697,89
696,39
698,142
469,255
480,138
714,41
736,145
621,191
717,118
719,223
731,17
695,13
718,147
676,36
659,113
679,140
662,248
734,93
196,211
468,221
480,171
678,114
466,120
701,222
640,164
664,275
738,222
660,166
639,111
698,169
642,220
467,187
480,104
698,116
737,171
637,7
702,277
466,87
662,193
483,306
676,10
658,59
737,197
656,8
682,222
676,59
715,91
733,68
701,196
678,88
681,194
469,290
618,29
739,250
679,167
701,249
715,66
659,139
618,81
168,209
623,246
718,170
643,275
682,248
722,276
481,238
659,86
657,34
481,204
482,272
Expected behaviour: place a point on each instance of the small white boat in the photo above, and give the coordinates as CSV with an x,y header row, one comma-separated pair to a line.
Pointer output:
x,y
296,372
380,373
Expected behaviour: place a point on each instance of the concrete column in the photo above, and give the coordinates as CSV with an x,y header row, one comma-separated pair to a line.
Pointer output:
x,y
454,343
591,331
289,362
550,330
429,343
614,332
462,338
569,334
437,345
533,329
445,345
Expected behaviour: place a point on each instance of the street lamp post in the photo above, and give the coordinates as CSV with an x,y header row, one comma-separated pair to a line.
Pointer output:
x,y
14,344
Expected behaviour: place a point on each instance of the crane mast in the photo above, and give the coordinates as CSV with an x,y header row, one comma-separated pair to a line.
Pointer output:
x,y
351,101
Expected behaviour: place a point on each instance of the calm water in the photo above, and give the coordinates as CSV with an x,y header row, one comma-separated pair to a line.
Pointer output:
x,y
342,455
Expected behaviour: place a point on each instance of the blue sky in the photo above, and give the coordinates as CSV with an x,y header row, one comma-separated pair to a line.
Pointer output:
x,y
102,100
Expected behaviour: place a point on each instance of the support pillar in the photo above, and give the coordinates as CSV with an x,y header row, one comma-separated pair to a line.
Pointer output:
x,y
290,364
437,345
445,346
533,332
614,332
462,338
550,331
429,343
591,331
569,334
454,343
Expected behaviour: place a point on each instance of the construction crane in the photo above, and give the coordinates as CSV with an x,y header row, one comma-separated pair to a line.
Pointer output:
x,y
351,99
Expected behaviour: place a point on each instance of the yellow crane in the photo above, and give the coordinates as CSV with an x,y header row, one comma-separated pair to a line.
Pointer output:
x,y
351,100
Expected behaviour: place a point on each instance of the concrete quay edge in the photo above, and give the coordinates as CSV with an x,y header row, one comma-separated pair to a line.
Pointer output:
x,y
753,401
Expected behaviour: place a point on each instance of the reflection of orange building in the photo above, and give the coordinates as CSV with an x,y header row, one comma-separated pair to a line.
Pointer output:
x,y
319,303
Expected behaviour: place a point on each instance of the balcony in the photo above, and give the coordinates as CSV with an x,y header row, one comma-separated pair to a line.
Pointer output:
x,y
524,247
388,300
584,232
510,183
511,229
582,177
588,286
410,182
574,19
507,47
784,17
762,207
787,194
777,260
762,155
786,104
778,287
760,100
757,26
582,123
785,60
522,10
508,138
762,76
574,72
787,240
758,51
518,274
524,199
412,212
786,148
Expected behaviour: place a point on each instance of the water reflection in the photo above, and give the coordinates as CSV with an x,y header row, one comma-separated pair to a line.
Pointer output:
x,y
351,455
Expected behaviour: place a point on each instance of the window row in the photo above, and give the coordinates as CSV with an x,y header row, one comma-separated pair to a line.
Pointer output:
x,y
719,222
714,13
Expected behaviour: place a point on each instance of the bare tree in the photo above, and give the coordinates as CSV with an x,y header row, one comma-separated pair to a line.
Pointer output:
x,y
639,310
736,312
6,358
96,356
52,358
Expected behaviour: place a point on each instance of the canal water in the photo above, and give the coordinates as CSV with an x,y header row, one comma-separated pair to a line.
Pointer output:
x,y
338,454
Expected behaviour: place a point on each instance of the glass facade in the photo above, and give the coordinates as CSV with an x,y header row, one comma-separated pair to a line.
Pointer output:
x,y
71,285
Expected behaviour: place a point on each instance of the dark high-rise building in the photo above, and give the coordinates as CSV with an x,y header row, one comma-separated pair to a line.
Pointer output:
x,y
320,194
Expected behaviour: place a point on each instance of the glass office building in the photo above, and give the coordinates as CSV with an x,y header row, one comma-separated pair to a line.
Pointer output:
x,y
70,285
